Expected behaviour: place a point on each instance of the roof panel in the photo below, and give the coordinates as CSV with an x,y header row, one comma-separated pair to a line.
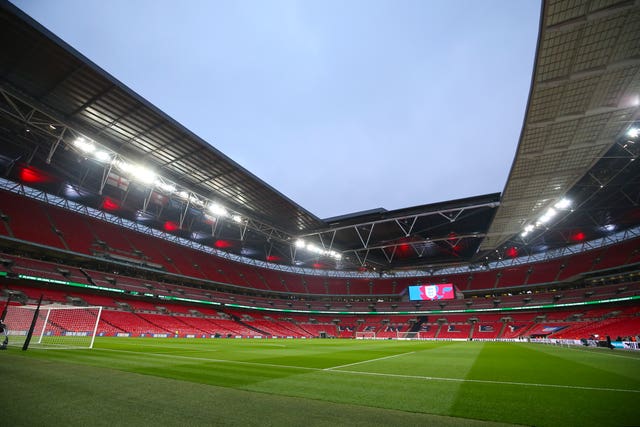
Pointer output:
x,y
628,44
557,53
585,78
597,42
559,11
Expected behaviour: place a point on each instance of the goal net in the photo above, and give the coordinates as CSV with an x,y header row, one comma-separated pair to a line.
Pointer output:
x,y
57,326
366,335
411,335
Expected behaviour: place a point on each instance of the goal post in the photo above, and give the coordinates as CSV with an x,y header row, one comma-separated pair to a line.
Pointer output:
x,y
56,326
366,335
406,335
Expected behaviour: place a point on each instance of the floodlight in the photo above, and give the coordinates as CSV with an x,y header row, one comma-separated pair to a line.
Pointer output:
x,y
313,248
84,145
102,156
236,218
633,132
334,254
169,188
143,174
527,229
195,201
123,166
217,210
548,216
562,204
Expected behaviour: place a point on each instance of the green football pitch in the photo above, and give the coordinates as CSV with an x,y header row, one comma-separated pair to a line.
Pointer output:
x,y
145,381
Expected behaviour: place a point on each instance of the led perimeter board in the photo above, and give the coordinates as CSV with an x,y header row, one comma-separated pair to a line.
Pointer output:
x,y
432,292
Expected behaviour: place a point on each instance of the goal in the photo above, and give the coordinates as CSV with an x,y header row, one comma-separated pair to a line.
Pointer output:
x,y
366,335
57,326
410,335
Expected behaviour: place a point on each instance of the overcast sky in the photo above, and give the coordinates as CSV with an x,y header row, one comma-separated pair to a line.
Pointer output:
x,y
342,106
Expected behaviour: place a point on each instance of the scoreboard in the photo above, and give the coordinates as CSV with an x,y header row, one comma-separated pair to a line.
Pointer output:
x,y
432,292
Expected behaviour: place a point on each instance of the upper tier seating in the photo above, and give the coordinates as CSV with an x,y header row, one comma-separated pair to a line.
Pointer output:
x,y
58,228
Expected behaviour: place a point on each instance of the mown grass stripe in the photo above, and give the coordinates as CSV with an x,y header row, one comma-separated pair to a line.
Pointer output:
x,y
379,374
466,380
206,359
368,361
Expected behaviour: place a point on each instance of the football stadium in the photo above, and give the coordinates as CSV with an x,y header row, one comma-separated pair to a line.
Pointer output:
x,y
146,278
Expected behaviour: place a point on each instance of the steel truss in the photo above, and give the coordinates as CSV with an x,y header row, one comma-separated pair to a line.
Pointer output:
x,y
36,118
94,213
405,223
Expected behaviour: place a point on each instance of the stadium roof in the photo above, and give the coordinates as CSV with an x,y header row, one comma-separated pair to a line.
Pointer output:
x,y
583,103
584,95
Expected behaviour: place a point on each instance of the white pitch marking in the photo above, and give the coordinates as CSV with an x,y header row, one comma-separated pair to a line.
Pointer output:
x,y
206,359
464,380
415,377
366,361
600,352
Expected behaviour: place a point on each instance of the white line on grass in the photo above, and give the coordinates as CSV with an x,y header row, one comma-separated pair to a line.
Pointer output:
x,y
602,352
206,359
366,361
465,380
379,374
176,346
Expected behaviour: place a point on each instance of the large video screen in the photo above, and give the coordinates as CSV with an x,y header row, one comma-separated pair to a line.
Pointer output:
x,y
432,292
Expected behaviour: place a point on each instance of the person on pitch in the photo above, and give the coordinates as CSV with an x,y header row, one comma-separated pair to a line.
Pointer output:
x,y
4,331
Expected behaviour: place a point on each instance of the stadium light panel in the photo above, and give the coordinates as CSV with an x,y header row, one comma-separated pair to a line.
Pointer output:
x,y
195,201
633,132
84,145
527,229
143,174
137,172
124,166
562,204
169,188
548,216
313,248
102,156
217,210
